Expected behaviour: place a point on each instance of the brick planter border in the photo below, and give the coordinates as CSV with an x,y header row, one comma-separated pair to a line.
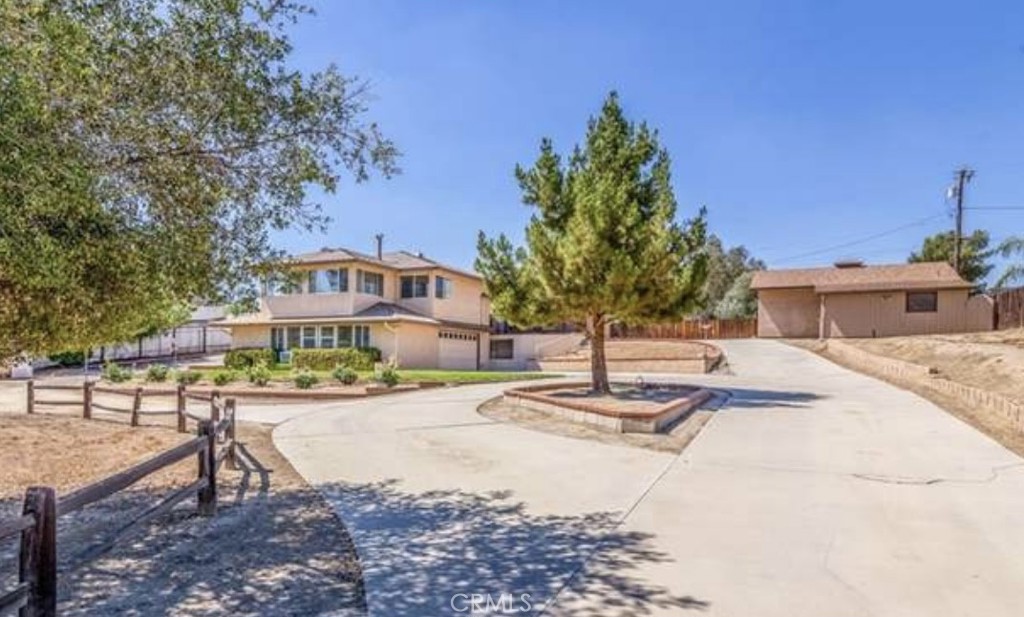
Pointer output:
x,y
622,421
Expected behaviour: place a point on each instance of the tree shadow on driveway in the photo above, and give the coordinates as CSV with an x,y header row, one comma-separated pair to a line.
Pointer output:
x,y
419,551
747,398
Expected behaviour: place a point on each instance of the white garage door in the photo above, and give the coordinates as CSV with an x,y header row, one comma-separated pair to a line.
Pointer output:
x,y
457,350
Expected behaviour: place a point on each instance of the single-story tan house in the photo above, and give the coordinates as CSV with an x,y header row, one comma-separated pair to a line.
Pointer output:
x,y
851,299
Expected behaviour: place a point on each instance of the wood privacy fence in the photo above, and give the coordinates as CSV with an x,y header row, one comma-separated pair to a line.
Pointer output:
x,y
36,592
689,329
1009,305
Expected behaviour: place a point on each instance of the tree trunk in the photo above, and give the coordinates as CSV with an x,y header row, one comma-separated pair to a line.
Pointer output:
x,y
598,362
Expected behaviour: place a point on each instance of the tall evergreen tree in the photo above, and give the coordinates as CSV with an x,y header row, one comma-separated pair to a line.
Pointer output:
x,y
603,243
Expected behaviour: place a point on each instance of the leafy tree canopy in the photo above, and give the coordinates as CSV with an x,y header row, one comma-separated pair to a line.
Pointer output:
x,y
147,148
726,278
603,242
975,254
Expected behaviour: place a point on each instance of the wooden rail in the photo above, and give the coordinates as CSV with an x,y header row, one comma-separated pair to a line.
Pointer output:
x,y
36,592
132,407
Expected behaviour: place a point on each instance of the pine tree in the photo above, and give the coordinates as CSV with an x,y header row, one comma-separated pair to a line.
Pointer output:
x,y
603,243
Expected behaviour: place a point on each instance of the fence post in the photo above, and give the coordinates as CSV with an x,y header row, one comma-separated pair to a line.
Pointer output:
x,y
87,399
230,408
30,396
207,496
181,409
214,407
38,555
136,406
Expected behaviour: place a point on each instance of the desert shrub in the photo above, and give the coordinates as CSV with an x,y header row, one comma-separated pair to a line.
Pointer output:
x,y
305,379
345,375
116,373
259,374
69,358
223,378
356,358
389,376
188,377
241,359
157,372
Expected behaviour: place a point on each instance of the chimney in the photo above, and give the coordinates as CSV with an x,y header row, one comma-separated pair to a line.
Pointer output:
x,y
380,246
849,263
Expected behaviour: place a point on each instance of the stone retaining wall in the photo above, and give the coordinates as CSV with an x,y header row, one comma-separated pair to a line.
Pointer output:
x,y
930,378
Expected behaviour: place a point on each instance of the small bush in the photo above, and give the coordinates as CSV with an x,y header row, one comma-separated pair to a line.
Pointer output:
x,y
305,379
69,358
241,359
188,377
259,374
157,372
116,373
388,376
223,378
356,358
345,375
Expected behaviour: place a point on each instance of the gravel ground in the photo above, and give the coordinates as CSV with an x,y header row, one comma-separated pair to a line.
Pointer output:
x,y
274,548
673,441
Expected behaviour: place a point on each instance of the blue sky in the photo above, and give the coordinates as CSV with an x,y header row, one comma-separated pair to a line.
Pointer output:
x,y
801,125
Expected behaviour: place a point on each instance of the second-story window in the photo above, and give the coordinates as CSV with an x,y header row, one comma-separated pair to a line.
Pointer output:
x,y
283,285
443,287
415,286
370,283
328,281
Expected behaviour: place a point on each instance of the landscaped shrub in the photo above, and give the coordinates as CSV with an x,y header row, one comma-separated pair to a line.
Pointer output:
x,y
356,358
241,359
69,358
188,377
259,374
223,378
157,372
305,379
116,373
345,375
389,376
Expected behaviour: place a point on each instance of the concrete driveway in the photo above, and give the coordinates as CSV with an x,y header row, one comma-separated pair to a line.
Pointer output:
x,y
815,491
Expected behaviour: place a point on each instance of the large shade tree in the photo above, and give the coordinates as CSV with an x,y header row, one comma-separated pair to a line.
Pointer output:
x,y
726,292
147,150
603,243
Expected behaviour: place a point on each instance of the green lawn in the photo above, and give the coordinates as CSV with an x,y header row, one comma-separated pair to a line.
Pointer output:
x,y
284,373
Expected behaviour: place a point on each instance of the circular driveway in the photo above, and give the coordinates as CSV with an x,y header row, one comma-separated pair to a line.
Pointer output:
x,y
814,491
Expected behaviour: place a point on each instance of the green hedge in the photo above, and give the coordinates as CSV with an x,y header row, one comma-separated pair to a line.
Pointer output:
x,y
241,359
360,359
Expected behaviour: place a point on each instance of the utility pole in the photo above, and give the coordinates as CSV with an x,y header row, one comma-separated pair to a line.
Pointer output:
x,y
963,176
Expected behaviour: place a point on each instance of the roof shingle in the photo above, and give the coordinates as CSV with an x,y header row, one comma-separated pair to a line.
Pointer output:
x,y
927,275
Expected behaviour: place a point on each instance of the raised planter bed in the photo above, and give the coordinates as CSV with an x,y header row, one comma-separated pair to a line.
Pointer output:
x,y
650,408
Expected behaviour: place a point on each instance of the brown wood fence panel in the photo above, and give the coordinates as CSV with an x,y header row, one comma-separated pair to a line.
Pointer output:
x,y
689,329
1010,308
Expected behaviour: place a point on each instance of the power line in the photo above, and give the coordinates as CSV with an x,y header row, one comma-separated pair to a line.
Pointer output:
x,y
995,208
881,234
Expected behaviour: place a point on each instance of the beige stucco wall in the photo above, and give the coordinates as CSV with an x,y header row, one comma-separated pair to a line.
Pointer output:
x,y
414,345
865,315
789,313
527,347
466,304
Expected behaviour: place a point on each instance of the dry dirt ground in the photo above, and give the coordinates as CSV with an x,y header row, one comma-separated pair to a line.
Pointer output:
x,y
674,440
989,360
274,548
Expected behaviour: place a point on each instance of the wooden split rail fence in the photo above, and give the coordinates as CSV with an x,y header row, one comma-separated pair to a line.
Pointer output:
x,y
214,443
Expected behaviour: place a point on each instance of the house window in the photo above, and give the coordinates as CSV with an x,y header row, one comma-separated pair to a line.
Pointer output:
x,y
922,301
370,283
503,349
442,287
344,336
308,337
362,336
327,281
277,339
415,286
327,337
294,337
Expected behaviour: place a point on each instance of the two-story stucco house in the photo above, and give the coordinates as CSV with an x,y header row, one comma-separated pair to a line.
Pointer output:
x,y
418,312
